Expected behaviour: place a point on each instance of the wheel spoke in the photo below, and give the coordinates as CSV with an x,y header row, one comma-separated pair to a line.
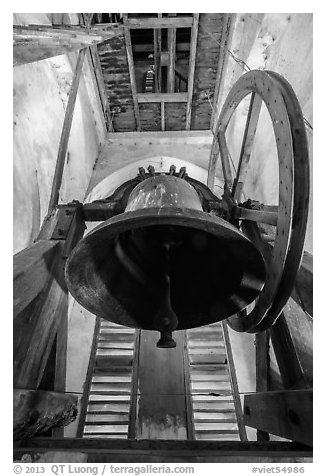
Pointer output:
x,y
226,166
247,144
261,216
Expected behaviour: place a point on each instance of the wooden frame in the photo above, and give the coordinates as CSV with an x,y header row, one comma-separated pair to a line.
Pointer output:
x,y
66,128
166,22
172,38
101,450
227,32
285,413
131,70
38,42
161,97
192,63
234,384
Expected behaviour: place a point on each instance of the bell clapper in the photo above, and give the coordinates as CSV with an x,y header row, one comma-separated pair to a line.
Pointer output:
x,y
166,319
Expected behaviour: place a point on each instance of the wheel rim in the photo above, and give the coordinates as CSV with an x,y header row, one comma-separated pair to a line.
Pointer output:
x,y
292,151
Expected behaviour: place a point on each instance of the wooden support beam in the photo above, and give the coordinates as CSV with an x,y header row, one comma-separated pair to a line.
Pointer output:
x,y
132,430
262,371
34,331
95,66
303,290
247,145
226,165
172,36
287,359
66,128
234,383
285,413
162,116
157,57
110,450
131,71
88,379
227,32
35,411
260,216
166,22
32,271
161,97
214,153
40,319
38,42
192,63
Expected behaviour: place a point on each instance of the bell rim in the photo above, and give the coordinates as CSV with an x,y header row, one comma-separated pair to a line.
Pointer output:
x,y
189,218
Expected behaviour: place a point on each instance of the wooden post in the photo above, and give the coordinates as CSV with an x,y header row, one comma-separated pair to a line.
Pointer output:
x,y
192,62
66,128
262,371
162,116
172,35
214,153
234,383
157,57
37,411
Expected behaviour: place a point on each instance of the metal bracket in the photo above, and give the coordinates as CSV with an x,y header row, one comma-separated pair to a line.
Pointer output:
x,y
65,218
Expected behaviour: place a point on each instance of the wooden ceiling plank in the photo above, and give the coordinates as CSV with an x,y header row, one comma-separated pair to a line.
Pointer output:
x,y
192,62
131,71
166,22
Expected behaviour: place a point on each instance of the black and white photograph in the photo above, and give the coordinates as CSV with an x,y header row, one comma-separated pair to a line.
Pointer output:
x,y
163,241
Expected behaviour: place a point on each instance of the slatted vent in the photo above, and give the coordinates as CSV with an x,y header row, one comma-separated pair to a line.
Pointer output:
x,y
109,403
210,384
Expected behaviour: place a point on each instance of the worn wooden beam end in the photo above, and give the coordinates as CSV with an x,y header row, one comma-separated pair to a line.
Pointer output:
x,y
288,414
37,411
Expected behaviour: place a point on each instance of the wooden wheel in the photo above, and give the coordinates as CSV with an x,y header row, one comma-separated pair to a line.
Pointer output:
x,y
290,218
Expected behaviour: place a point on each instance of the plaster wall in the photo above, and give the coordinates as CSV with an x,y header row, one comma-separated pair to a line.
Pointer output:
x,y
40,98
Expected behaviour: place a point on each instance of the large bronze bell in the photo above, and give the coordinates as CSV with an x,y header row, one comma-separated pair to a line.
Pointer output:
x,y
165,264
